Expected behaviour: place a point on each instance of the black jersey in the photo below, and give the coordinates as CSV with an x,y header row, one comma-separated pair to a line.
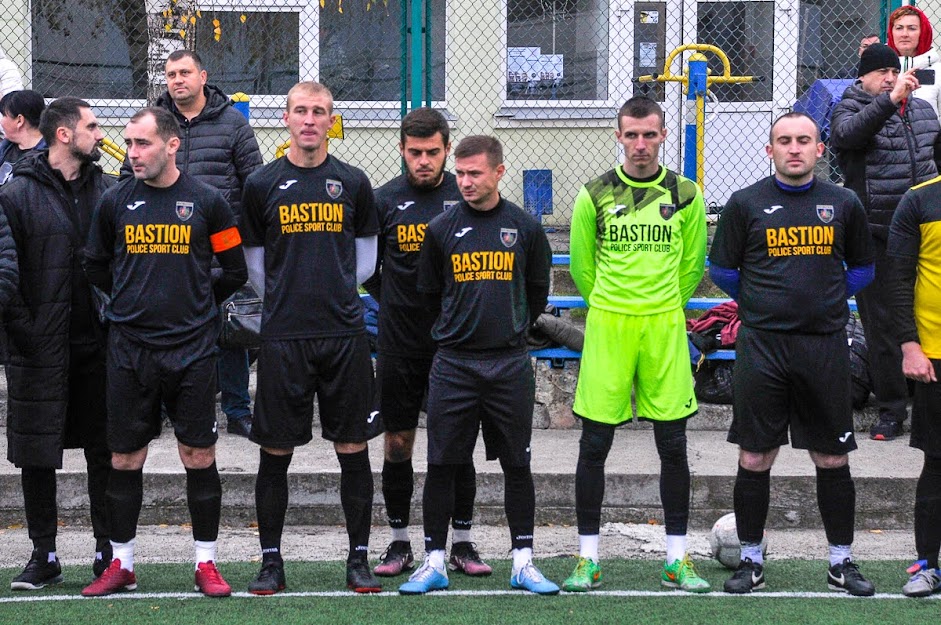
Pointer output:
x,y
790,248
160,243
308,220
404,212
490,270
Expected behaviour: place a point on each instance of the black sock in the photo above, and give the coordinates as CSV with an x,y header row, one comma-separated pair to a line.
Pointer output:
x,y
39,502
465,492
204,497
520,503
438,504
670,437
98,463
398,485
356,492
125,497
271,502
752,496
836,497
928,511
593,448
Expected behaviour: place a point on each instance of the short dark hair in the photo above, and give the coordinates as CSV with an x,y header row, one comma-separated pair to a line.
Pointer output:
x,y
793,115
424,122
62,112
176,55
26,102
639,107
167,126
481,144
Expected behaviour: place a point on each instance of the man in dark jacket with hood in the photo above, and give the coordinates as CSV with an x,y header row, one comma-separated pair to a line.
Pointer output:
x,y
56,373
218,147
886,142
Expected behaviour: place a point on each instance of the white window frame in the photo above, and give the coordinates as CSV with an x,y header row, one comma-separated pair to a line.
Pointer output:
x,y
618,76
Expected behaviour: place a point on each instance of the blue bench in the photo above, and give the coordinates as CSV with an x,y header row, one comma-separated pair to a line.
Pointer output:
x,y
557,356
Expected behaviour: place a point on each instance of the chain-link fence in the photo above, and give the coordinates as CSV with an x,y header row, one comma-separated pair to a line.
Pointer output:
x,y
546,76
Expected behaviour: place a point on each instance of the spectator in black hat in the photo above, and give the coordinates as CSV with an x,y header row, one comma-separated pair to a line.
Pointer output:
x,y
885,141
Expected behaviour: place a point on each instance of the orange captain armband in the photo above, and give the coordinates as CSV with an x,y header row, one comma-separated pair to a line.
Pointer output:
x,y
225,240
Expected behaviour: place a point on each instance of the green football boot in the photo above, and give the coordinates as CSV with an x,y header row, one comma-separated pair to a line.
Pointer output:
x,y
682,574
587,575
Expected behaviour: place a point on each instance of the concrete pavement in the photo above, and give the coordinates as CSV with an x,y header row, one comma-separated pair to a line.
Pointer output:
x,y
885,474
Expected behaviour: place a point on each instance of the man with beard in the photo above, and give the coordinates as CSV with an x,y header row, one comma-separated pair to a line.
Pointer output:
x,y
406,204
791,249
56,372
150,246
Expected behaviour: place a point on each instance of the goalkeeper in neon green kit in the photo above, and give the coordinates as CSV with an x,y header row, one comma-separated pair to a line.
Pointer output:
x,y
638,251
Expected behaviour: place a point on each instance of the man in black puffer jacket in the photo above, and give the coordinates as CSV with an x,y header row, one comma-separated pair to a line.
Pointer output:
x,y
218,147
886,142
56,373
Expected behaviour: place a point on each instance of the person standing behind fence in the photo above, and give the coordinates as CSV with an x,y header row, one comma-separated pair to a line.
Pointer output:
x,y
217,147
406,205
56,371
310,227
779,250
910,35
638,249
484,269
885,142
20,112
914,251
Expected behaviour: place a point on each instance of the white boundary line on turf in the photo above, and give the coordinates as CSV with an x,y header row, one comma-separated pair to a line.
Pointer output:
x,y
130,596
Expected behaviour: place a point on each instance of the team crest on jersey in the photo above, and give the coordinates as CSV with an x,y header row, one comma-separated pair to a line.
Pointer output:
x,y
334,188
449,204
825,212
667,211
508,236
184,210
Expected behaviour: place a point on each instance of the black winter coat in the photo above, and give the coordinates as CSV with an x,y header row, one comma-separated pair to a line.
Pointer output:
x,y
884,152
217,146
37,321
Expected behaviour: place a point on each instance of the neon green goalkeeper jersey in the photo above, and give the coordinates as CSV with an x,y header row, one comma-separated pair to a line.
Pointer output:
x,y
638,247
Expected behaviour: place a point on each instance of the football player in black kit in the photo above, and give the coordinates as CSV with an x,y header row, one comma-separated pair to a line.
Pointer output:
x,y
484,267
780,250
406,205
152,240
310,227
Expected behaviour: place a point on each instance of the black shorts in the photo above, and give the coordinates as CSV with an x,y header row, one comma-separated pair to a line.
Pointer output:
x,y
337,370
402,384
797,380
141,378
466,395
926,415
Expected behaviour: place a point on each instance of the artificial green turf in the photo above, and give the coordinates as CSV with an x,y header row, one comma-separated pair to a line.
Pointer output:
x,y
594,609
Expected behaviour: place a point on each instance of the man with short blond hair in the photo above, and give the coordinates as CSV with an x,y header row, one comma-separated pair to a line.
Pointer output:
x,y
310,226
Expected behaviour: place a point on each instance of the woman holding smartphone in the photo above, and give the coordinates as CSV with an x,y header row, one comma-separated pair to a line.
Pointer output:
x,y
910,35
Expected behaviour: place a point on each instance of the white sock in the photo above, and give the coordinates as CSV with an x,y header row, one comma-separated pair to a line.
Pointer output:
x,y
205,551
588,546
400,534
51,557
460,536
521,557
838,553
676,548
436,559
125,553
753,551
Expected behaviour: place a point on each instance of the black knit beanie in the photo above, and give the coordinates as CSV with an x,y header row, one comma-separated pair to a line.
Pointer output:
x,y
877,56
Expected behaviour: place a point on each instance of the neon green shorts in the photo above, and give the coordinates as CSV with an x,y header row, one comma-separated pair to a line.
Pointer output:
x,y
646,353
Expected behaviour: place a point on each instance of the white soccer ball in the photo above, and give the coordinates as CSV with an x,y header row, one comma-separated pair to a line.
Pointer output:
x,y
723,539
